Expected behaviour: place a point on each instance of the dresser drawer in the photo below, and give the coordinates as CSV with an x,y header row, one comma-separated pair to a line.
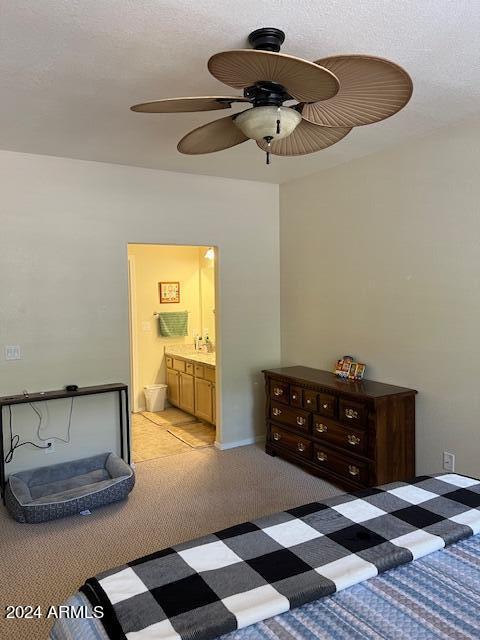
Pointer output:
x,y
310,400
291,416
296,396
190,368
169,361
199,371
279,391
346,437
327,404
352,412
296,444
342,465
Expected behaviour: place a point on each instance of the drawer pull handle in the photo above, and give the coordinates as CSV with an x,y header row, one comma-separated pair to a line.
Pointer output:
x,y
321,428
325,405
353,440
294,396
351,414
321,456
300,421
300,446
277,391
276,435
276,412
353,470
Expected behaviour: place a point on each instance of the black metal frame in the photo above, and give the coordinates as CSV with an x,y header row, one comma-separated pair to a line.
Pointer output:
x,y
124,415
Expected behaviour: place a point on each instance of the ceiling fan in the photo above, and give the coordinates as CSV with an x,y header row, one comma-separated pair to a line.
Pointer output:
x,y
332,95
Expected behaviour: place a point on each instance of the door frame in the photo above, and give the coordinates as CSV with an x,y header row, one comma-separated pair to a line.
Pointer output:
x,y
133,324
132,321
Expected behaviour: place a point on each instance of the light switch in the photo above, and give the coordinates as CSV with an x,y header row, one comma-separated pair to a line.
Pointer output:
x,y
146,326
13,352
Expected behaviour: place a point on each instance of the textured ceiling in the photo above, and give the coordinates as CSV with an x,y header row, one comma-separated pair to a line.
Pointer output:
x,y
70,69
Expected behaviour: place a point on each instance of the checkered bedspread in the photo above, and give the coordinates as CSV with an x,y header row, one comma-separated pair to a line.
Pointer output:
x,y
250,572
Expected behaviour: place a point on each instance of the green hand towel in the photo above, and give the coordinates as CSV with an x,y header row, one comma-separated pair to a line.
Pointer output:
x,y
173,323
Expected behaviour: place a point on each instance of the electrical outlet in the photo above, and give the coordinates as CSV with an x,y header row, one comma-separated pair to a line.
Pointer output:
x,y
448,461
51,448
13,352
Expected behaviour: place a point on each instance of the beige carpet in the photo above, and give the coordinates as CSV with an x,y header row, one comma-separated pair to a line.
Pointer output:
x,y
197,434
176,498
170,417
150,441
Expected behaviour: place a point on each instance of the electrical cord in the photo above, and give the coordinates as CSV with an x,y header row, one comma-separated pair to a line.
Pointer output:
x,y
15,439
40,419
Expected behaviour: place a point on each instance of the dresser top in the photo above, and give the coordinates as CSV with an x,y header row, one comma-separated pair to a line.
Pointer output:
x,y
368,388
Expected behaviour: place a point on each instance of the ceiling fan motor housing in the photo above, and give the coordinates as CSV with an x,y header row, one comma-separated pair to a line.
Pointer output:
x,y
267,39
266,93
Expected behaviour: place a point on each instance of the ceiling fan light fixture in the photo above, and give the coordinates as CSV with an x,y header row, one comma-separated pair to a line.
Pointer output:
x,y
268,122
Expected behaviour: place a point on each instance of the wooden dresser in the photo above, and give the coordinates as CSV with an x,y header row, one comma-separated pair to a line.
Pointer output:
x,y
355,434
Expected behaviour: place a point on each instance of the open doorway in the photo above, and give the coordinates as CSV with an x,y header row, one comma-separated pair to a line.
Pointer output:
x,y
173,335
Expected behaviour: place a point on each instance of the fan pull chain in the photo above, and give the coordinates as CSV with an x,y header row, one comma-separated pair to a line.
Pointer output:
x,y
278,121
268,140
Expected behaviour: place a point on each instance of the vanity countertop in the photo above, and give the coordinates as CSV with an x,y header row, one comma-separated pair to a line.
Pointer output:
x,y
188,352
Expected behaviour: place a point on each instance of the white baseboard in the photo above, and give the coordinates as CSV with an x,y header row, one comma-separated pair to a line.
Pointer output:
x,y
239,443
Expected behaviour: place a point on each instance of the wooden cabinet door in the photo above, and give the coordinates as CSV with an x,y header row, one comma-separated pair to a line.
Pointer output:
x,y
214,404
173,383
203,399
187,393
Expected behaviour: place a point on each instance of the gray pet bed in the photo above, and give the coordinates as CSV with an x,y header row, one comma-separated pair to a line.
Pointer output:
x,y
67,488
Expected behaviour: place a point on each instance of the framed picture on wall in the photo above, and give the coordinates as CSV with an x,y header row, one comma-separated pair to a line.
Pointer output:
x,y
169,292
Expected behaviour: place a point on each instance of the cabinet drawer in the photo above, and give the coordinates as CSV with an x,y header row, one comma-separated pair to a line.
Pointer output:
x,y
279,391
310,400
190,368
296,418
296,444
179,365
343,465
327,404
352,412
210,374
296,396
331,432
169,361
199,371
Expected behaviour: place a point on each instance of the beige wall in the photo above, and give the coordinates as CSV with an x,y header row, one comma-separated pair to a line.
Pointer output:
x,y
151,264
381,259
63,285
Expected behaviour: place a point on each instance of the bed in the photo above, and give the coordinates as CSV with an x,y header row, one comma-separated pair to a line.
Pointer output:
x,y
435,596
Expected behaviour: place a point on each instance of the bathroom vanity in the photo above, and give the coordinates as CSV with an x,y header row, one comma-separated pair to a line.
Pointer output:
x,y
191,381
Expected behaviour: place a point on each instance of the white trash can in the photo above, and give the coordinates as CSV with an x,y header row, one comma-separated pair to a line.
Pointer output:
x,y
155,396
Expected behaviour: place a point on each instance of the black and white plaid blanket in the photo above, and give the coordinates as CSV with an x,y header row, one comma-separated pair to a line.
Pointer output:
x,y
250,572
